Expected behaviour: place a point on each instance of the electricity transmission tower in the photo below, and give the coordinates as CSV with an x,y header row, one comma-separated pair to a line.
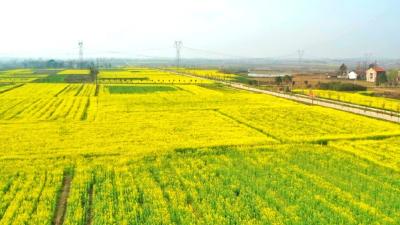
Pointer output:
x,y
80,44
178,46
301,55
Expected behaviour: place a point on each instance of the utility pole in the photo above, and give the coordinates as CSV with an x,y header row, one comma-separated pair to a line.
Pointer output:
x,y
365,65
368,58
178,46
80,44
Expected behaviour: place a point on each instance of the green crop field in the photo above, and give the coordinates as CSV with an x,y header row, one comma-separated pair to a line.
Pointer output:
x,y
145,146
139,89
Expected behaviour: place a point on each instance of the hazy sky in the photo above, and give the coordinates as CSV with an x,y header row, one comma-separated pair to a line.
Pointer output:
x,y
247,28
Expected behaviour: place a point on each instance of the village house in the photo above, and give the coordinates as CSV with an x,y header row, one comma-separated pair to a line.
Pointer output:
x,y
373,73
352,75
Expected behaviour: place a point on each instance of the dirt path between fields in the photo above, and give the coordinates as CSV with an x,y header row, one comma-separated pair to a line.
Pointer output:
x,y
62,201
89,216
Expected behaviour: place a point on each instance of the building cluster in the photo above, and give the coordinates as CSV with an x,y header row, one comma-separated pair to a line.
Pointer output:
x,y
374,74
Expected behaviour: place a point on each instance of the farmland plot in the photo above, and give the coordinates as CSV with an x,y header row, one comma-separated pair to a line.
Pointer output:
x,y
357,98
189,153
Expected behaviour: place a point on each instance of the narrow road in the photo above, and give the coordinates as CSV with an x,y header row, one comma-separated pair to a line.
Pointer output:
x,y
362,107
366,111
62,201
352,108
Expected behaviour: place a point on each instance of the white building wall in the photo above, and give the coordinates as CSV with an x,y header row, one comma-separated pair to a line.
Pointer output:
x,y
371,75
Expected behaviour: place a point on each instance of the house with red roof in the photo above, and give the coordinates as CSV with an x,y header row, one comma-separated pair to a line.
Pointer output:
x,y
373,73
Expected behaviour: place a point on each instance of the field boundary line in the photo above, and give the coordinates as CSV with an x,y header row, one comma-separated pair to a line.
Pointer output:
x,y
12,107
247,125
36,201
356,138
84,115
79,90
11,88
97,90
360,157
62,200
32,106
89,213
62,90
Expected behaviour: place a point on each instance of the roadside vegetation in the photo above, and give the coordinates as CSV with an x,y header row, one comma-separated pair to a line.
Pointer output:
x,y
362,98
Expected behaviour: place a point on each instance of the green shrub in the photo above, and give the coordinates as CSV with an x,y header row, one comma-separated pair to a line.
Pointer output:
x,y
139,89
338,86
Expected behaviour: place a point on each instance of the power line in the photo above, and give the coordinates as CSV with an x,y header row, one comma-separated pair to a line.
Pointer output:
x,y
214,53
178,46
80,44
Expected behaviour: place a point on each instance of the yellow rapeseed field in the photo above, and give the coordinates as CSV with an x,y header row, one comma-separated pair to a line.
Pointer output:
x,y
146,146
